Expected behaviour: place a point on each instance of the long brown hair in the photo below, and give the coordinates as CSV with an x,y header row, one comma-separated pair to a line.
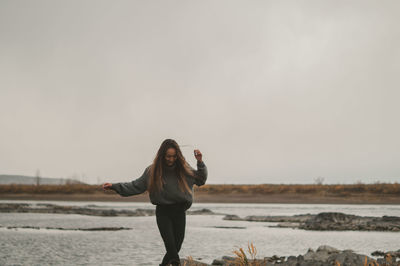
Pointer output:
x,y
156,169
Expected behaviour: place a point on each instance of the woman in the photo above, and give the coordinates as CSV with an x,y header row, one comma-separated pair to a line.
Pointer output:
x,y
169,181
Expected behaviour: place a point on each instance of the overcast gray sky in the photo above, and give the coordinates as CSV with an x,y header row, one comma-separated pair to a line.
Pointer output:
x,y
269,91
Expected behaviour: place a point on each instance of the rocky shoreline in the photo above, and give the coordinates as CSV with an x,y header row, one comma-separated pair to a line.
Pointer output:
x,y
323,256
325,221
68,229
88,210
328,221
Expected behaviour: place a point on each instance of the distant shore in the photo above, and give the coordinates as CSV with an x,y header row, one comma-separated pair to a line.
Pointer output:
x,y
264,193
212,198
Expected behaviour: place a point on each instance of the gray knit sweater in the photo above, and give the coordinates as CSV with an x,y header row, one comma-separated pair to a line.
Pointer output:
x,y
171,192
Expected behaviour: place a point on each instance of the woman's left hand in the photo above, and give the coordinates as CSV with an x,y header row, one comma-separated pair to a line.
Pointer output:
x,y
198,155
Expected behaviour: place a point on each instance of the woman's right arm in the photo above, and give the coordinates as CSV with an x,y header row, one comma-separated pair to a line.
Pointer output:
x,y
135,187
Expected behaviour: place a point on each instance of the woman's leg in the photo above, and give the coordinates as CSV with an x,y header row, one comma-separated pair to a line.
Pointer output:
x,y
179,224
166,228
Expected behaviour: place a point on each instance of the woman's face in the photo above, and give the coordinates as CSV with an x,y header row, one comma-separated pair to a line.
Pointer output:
x,y
170,156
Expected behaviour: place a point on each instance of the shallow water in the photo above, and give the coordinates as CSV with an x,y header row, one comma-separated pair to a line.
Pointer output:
x,y
143,245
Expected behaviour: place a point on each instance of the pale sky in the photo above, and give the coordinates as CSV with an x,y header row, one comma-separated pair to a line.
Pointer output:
x,y
269,91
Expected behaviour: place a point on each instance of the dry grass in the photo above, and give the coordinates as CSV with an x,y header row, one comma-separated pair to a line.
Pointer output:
x,y
188,261
335,189
242,258
338,190
50,189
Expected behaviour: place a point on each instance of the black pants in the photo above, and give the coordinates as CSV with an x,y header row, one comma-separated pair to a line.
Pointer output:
x,y
171,221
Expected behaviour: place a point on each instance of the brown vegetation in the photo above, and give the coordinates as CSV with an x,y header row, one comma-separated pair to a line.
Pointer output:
x,y
378,193
49,189
335,189
328,190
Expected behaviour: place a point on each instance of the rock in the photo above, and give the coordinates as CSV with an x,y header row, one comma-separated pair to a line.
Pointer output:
x,y
390,218
323,256
145,212
44,204
328,249
291,258
91,206
335,221
232,217
224,261
332,221
87,210
392,254
229,227
218,262
70,229
286,225
316,256
202,211
293,219
104,229
51,208
186,262
381,261
378,253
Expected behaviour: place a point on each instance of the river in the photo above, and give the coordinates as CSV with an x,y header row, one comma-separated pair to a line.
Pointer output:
x,y
204,241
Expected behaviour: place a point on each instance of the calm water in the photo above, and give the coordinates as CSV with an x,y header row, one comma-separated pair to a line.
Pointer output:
x,y
143,245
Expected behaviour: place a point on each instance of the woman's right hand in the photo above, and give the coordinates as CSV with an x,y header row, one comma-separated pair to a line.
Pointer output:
x,y
107,186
